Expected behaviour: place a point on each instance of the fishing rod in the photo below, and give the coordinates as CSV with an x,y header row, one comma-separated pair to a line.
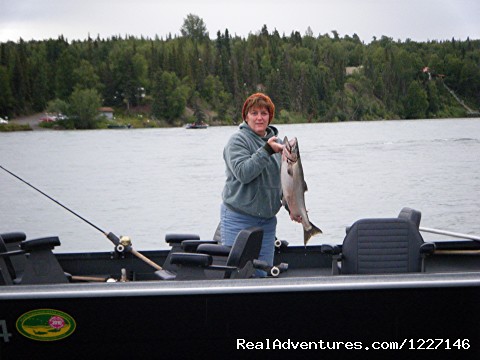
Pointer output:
x,y
122,244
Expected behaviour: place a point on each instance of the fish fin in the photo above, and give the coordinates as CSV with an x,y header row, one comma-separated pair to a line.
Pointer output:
x,y
312,232
305,187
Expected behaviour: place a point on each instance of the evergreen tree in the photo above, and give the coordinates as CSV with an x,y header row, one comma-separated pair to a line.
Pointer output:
x,y
6,98
40,88
416,102
19,80
64,80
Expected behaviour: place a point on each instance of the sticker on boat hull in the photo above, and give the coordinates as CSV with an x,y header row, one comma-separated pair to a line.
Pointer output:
x,y
46,325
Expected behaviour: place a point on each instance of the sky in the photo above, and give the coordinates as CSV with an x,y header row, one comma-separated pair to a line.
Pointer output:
x,y
418,20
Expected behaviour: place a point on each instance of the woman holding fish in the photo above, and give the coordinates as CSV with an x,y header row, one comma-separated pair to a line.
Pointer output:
x,y
252,195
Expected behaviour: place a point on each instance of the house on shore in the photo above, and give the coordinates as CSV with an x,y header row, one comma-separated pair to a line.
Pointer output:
x,y
107,112
350,70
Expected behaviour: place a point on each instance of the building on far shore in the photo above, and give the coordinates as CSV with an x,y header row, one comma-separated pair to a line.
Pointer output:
x,y
350,70
107,112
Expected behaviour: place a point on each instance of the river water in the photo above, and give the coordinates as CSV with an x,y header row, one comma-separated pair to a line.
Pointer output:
x,y
145,183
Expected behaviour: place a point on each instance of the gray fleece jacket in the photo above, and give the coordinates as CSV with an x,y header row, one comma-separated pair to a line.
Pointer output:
x,y
253,174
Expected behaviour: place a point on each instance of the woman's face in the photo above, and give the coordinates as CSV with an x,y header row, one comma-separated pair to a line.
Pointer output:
x,y
257,119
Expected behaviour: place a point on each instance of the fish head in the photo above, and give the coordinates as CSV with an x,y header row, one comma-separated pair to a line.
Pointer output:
x,y
290,150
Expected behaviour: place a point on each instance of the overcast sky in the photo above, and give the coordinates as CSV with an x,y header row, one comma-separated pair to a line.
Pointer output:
x,y
418,20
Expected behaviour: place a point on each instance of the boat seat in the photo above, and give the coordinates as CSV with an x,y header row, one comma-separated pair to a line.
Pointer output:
x,y
12,241
175,242
411,214
380,246
239,264
186,243
406,213
13,237
40,264
7,270
42,267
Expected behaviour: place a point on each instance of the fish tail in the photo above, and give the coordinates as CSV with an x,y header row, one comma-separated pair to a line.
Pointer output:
x,y
312,232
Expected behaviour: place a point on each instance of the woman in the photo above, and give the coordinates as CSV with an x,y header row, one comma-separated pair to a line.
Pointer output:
x,y
252,192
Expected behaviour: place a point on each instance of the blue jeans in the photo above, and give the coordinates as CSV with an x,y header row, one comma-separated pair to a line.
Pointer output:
x,y
233,222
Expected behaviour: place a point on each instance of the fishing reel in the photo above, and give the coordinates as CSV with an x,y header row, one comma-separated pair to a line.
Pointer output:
x,y
124,245
273,271
281,244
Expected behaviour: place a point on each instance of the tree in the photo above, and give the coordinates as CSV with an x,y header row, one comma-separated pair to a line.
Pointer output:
x,y
169,96
19,79
40,80
58,106
84,106
6,98
129,70
64,81
86,77
194,28
416,102
433,98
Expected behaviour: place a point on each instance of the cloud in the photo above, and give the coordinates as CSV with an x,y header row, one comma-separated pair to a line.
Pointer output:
x,y
419,20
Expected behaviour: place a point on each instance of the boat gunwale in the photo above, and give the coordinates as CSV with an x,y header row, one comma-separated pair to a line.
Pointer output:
x,y
245,286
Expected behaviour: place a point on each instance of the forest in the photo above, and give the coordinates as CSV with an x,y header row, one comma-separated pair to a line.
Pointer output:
x,y
192,76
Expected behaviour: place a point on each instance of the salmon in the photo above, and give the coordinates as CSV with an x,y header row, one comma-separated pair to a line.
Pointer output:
x,y
294,187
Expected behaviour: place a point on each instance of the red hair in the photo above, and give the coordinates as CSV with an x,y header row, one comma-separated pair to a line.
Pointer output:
x,y
258,100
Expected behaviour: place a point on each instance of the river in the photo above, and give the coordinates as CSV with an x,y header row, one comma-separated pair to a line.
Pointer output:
x,y
145,183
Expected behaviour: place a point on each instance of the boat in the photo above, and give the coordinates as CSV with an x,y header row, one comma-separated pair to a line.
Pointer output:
x,y
195,125
194,299
119,126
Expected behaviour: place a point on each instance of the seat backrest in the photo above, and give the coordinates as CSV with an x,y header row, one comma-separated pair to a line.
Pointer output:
x,y
246,247
42,267
6,268
410,214
7,271
375,246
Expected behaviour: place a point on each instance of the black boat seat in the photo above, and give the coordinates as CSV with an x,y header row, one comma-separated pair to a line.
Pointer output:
x,y
214,249
13,237
191,246
411,214
40,264
239,264
42,267
12,241
7,269
380,246
174,239
191,243
406,213
184,242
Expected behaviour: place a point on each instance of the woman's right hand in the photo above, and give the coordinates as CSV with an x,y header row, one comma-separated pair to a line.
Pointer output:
x,y
276,147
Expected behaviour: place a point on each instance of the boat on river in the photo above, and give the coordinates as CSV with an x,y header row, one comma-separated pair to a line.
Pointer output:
x,y
381,288
196,125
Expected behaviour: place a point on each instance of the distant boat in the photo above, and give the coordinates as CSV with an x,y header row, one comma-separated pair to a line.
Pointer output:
x,y
196,126
119,126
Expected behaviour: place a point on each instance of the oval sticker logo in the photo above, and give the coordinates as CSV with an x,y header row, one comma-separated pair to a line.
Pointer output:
x,y
46,325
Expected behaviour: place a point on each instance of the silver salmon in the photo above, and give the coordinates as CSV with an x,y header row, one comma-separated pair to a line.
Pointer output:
x,y
294,187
